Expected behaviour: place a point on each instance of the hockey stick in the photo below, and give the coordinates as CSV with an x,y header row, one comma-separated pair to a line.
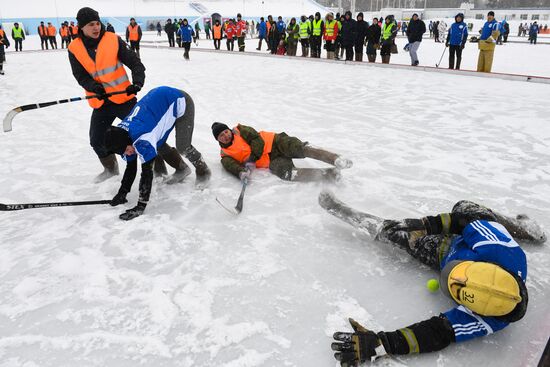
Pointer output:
x,y
12,207
239,207
444,50
12,113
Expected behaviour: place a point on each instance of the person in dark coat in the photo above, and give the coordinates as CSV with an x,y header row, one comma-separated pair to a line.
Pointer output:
x,y
373,40
170,31
349,33
415,30
360,37
4,42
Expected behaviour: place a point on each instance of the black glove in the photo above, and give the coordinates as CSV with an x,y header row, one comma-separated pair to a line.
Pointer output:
x,y
462,46
404,232
99,91
120,198
446,44
135,212
358,347
133,89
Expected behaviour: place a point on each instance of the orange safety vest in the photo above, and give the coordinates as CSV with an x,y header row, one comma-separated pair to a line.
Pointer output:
x,y
42,30
240,150
64,31
133,31
2,34
106,69
75,29
51,30
217,32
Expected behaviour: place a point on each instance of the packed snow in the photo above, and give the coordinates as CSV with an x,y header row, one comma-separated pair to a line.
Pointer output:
x,y
188,284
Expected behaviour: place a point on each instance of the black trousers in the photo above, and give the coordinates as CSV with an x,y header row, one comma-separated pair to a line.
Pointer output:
x,y
230,44
455,50
53,41
171,41
273,44
44,42
134,45
101,120
315,46
18,44
349,52
217,44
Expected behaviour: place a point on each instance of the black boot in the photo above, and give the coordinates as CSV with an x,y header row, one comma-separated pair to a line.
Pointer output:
x,y
110,168
159,167
201,168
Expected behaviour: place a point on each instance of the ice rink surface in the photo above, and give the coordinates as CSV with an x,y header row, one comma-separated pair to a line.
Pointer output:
x,y
187,284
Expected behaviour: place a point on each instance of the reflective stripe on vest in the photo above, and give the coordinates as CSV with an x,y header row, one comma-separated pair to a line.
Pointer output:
x,y
317,27
51,30
304,29
240,150
17,32
329,28
387,31
134,35
106,69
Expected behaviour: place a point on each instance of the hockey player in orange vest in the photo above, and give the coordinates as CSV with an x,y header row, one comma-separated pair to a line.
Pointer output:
x,y
243,148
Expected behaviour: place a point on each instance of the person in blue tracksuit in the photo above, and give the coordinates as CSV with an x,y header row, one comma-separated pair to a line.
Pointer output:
x,y
186,33
262,33
487,42
281,25
142,136
483,269
533,33
456,40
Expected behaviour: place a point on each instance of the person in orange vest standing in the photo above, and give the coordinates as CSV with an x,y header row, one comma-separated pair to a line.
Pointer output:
x,y
230,33
52,31
73,30
133,34
65,34
217,33
43,33
4,42
97,58
243,149
240,31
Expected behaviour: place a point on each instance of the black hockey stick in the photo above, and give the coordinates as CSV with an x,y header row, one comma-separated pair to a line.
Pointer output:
x,y
12,113
239,207
12,207
441,58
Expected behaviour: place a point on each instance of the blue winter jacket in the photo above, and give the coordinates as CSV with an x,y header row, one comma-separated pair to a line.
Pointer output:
x,y
488,29
534,30
281,26
263,29
186,32
458,34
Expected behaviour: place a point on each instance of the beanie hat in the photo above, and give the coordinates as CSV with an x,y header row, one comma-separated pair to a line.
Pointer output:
x,y
492,13
86,15
117,139
217,128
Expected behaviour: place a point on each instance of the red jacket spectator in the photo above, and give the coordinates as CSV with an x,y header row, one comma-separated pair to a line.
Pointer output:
x,y
230,31
240,28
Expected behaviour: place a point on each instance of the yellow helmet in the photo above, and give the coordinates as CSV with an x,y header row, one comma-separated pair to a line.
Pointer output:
x,y
485,288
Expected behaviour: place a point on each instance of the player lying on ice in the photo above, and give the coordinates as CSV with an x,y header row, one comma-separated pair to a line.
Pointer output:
x,y
483,269
243,148
143,134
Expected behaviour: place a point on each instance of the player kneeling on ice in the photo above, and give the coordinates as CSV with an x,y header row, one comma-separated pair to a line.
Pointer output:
x,y
483,269
143,133
243,148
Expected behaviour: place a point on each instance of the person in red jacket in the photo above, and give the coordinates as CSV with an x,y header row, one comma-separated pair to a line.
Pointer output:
x,y
240,30
230,33
330,35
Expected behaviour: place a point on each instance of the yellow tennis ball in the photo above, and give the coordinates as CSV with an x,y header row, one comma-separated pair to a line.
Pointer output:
x,y
432,285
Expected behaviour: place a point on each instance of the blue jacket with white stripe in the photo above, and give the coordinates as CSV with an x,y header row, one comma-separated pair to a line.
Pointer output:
x,y
488,242
151,121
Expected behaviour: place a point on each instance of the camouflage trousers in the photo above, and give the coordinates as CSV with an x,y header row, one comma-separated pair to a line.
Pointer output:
x,y
284,149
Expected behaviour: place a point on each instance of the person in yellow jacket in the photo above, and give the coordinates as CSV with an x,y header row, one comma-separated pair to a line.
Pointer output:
x,y
133,35
18,35
487,42
243,148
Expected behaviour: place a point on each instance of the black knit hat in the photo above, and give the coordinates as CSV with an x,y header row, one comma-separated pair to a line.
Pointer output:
x,y
218,128
85,16
117,139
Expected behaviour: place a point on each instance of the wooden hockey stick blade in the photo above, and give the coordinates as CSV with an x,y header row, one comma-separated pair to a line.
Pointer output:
x,y
9,118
